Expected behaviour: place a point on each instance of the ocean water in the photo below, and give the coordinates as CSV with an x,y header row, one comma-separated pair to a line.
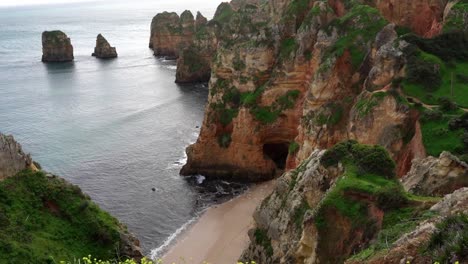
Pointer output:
x,y
116,128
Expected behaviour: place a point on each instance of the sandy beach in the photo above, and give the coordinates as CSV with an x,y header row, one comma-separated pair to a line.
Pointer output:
x,y
220,235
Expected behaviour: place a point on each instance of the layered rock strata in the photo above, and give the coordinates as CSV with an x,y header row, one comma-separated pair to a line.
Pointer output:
x,y
171,33
56,47
103,49
290,77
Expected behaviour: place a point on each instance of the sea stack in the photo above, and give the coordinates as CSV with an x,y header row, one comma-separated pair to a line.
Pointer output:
x,y
171,33
56,47
103,49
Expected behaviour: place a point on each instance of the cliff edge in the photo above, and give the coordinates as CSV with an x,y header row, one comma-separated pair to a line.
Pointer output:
x,y
38,208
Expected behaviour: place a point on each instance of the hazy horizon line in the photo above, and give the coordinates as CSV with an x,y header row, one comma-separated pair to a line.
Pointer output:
x,y
46,2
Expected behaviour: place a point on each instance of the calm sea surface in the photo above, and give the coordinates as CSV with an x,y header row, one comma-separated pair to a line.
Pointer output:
x,y
116,128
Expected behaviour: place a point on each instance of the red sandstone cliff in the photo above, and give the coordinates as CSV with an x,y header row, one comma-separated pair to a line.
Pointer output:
x,y
267,52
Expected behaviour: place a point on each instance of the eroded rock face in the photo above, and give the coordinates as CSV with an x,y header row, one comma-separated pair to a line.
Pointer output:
x,y
270,59
275,217
171,33
345,83
12,157
129,245
56,47
422,16
192,41
436,176
103,49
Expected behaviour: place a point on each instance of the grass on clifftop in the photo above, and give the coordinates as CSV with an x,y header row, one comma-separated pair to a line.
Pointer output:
x,y
438,137
46,219
369,178
455,20
434,65
369,170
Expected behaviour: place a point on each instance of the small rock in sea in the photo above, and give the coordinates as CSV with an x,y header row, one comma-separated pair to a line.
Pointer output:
x,y
103,49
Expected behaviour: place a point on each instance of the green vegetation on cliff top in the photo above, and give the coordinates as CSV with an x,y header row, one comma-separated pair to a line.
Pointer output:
x,y
437,68
369,179
44,219
456,19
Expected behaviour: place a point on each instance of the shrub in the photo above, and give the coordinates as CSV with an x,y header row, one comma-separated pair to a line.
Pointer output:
x,y
460,122
3,219
462,78
392,197
224,140
265,114
423,69
432,115
337,153
464,158
227,115
448,46
233,97
299,213
447,105
288,46
374,159
450,242
293,147
261,238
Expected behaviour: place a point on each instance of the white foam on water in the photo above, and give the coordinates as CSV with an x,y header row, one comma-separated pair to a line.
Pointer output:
x,y
200,179
157,252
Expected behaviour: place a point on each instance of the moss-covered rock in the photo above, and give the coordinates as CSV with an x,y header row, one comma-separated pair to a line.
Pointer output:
x,y
56,47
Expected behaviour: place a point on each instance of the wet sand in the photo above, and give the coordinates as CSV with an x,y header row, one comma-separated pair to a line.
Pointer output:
x,y
220,235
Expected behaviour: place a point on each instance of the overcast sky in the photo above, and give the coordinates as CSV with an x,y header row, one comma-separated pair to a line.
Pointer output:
x,y
36,2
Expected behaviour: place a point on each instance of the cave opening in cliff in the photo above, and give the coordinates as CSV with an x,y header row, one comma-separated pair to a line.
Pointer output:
x,y
277,152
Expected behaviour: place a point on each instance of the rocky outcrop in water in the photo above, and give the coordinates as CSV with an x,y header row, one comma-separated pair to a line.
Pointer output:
x,y
171,33
436,176
12,157
103,49
192,41
56,47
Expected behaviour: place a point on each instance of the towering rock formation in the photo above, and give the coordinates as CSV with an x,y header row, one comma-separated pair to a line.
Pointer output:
x,y
292,77
12,157
192,41
171,33
56,47
103,49
289,77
